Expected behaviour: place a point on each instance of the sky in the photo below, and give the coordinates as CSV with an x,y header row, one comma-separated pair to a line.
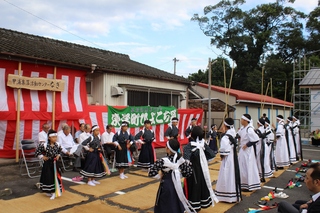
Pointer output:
x,y
152,32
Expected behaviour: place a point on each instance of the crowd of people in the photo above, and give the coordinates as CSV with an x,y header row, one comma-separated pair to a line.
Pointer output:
x,y
248,156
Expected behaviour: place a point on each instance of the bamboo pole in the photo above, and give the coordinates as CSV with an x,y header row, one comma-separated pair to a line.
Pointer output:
x,y
264,100
54,101
230,82
262,72
225,81
271,91
18,117
285,98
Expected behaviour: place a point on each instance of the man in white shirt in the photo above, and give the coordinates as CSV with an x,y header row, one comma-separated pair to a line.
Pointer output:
x,y
106,140
69,147
85,134
43,135
312,181
79,132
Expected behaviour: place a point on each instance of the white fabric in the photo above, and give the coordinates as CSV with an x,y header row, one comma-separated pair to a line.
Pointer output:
x,y
297,135
281,153
83,136
249,173
267,168
292,155
315,196
42,137
176,179
245,118
3,101
66,141
199,144
107,137
169,147
226,179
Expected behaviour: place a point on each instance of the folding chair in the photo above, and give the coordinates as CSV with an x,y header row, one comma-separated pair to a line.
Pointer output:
x,y
27,157
65,160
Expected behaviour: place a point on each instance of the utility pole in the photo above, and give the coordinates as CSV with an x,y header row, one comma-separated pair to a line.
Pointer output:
x,y
175,60
209,95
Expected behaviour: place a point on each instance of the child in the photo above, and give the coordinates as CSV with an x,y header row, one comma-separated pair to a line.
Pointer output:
x,y
123,140
172,131
146,157
48,152
93,167
228,188
170,197
212,136
200,193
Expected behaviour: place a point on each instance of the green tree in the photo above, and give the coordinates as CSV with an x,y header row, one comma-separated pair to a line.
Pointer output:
x,y
217,73
249,37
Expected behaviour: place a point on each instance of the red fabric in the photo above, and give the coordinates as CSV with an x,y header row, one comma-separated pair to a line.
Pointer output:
x,y
36,106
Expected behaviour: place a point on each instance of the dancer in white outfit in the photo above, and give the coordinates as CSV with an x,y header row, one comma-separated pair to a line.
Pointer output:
x,y
228,188
282,155
250,179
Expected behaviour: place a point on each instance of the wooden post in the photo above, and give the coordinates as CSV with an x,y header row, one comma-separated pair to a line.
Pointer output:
x,y
262,72
54,101
18,118
271,91
285,98
264,100
227,102
209,94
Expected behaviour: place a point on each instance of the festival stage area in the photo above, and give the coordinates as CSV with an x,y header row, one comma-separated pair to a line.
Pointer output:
x,y
135,194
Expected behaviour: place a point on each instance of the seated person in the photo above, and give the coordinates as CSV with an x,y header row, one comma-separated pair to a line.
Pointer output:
x,y
67,143
106,140
316,137
312,181
43,135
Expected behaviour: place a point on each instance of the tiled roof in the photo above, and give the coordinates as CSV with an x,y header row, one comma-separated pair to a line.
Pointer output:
x,y
19,44
243,96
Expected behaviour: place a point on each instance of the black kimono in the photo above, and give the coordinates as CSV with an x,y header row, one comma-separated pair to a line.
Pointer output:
x,y
212,134
146,157
125,140
198,192
172,131
47,174
93,167
167,200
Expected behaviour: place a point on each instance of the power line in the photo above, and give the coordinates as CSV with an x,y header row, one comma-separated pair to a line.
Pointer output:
x,y
54,24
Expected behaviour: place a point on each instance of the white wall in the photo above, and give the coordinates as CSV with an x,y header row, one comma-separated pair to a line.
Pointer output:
x,y
315,109
102,84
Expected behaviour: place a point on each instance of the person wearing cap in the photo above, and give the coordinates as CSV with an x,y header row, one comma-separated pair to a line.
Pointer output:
x,y
281,153
170,197
187,133
292,147
172,131
93,167
199,188
48,152
145,137
250,179
228,187
212,137
262,153
123,140
296,133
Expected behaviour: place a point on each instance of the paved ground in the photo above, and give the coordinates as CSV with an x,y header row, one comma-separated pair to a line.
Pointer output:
x,y
137,186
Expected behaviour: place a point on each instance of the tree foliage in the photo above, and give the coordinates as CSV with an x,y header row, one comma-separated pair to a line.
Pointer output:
x,y
269,35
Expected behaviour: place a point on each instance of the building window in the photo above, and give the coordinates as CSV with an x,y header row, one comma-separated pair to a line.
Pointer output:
x,y
89,87
140,98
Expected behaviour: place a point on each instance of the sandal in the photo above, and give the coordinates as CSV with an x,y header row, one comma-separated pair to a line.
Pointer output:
x,y
281,195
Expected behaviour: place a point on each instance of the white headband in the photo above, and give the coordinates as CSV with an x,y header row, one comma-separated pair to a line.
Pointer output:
x,y
124,124
174,120
279,118
294,117
169,147
245,118
53,134
225,123
260,123
94,128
